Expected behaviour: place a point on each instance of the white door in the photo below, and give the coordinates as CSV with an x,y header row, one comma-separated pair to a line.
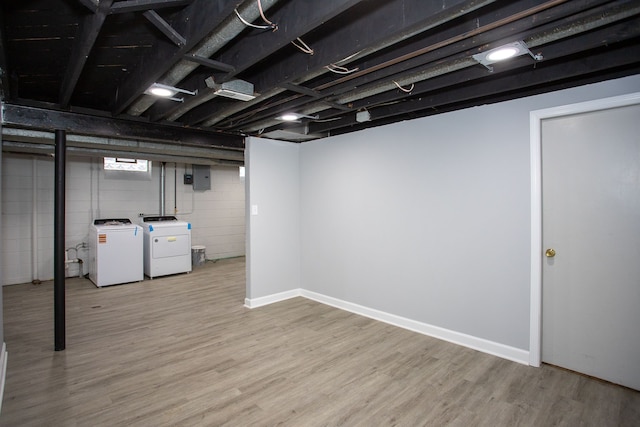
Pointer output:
x,y
591,219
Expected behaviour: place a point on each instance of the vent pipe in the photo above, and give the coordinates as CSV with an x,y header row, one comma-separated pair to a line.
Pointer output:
x,y
163,173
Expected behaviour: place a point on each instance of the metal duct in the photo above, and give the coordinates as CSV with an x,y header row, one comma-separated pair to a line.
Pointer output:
x,y
230,28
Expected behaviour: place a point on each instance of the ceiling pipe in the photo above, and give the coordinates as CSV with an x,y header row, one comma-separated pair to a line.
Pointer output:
x,y
35,270
227,31
46,150
594,21
163,174
107,147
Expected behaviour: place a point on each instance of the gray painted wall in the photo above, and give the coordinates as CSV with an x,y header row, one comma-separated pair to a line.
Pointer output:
x,y
273,235
426,219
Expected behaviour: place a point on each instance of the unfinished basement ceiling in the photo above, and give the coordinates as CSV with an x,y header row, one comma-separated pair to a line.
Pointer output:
x,y
342,65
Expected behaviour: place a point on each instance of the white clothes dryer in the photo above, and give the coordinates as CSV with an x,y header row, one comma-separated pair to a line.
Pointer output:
x,y
167,245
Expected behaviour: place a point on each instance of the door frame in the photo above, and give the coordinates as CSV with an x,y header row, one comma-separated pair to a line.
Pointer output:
x,y
535,124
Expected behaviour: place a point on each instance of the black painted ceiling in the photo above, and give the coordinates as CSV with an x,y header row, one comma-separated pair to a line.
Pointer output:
x,y
371,62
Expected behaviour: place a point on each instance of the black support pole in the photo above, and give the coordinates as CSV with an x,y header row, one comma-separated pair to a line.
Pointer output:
x,y
58,240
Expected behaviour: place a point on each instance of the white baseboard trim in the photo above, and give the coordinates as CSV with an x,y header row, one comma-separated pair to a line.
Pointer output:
x,y
480,344
270,299
3,371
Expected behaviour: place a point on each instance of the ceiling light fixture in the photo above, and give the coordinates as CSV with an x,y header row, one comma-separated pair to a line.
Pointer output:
x,y
292,117
506,51
168,92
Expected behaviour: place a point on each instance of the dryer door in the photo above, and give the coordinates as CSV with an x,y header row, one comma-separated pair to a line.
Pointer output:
x,y
170,245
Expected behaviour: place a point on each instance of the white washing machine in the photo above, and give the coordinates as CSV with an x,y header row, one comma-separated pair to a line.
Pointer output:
x,y
167,246
115,252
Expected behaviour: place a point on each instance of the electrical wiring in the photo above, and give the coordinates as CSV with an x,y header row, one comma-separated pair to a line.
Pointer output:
x,y
302,46
402,88
349,57
332,119
338,69
270,25
264,18
249,24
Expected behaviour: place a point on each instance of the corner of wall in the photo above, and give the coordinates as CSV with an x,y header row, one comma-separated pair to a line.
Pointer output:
x,y
273,217
3,371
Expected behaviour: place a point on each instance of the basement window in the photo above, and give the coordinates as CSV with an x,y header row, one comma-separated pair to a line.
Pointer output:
x,y
121,164
123,168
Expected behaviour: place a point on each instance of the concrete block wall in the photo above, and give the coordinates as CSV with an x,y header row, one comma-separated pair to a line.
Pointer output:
x,y
216,215
17,207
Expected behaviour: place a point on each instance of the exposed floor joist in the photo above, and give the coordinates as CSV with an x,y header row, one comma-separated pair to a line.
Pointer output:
x,y
323,60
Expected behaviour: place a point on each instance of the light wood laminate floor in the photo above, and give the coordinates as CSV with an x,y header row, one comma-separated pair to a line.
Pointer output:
x,y
184,351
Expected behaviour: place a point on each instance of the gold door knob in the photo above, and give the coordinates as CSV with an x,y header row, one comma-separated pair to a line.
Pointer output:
x,y
550,253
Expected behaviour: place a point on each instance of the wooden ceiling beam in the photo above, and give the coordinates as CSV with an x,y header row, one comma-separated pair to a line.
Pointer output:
x,y
5,87
139,5
314,94
92,5
164,27
210,63
83,42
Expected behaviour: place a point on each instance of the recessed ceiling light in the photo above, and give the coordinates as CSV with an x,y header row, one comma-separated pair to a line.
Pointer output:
x,y
502,53
168,92
289,117
160,91
292,117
